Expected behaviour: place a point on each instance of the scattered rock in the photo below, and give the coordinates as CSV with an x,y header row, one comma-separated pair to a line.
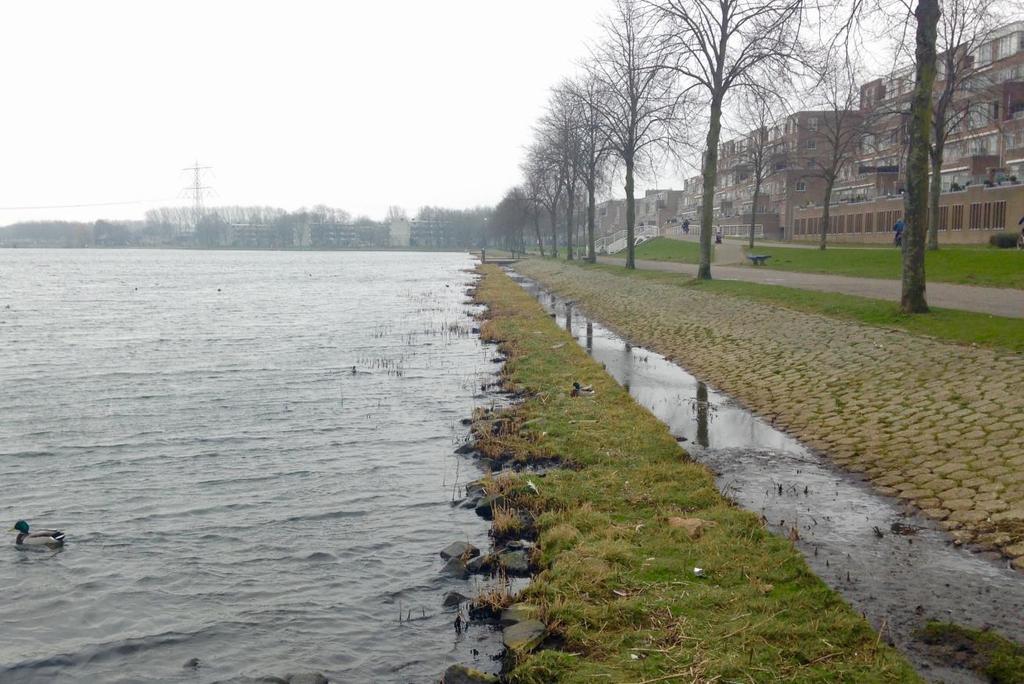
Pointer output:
x,y
459,550
460,674
519,612
191,664
453,598
480,564
455,568
466,448
475,489
485,506
524,636
694,527
515,563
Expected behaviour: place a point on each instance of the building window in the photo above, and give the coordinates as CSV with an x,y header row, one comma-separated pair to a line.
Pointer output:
x,y
812,144
801,186
812,123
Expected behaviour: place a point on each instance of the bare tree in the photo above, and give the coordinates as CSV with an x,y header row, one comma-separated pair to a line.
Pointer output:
x,y
638,101
594,149
963,26
533,191
901,15
560,131
721,46
510,218
546,177
915,206
839,128
757,153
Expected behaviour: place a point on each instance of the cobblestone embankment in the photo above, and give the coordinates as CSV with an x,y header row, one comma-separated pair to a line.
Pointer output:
x,y
938,425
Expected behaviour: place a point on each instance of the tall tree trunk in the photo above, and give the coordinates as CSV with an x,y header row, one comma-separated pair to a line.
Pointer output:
x,y
536,227
554,232
934,191
591,254
753,211
826,218
707,206
570,211
916,200
630,216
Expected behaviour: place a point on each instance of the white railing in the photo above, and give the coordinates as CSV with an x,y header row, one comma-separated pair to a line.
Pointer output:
x,y
616,242
736,230
676,231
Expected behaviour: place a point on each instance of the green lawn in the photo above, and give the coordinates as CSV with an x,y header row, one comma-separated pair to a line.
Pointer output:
x,y
963,327
969,266
667,249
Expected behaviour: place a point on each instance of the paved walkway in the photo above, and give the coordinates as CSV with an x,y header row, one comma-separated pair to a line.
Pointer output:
x,y
990,300
938,425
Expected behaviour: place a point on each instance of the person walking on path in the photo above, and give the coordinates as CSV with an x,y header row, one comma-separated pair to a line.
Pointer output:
x,y
1020,238
897,229
686,226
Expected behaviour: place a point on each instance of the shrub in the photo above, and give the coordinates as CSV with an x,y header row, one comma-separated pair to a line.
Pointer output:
x,y
1003,240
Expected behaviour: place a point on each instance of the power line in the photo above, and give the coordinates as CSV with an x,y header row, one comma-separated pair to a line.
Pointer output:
x,y
92,204
197,189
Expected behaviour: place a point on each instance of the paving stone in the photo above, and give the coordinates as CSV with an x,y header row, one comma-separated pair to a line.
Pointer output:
x,y
939,424
968,516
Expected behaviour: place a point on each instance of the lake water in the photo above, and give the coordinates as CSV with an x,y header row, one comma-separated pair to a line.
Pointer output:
x,y
251,455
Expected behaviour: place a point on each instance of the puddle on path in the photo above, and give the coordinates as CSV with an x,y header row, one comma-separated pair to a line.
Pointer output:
x,y
898,581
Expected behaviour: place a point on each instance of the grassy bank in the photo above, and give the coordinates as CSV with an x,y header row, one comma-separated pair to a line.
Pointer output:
x,y
962,327
666,249
989,267
621,533
985,266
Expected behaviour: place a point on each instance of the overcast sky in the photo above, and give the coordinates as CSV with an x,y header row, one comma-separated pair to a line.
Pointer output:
x,y
358,105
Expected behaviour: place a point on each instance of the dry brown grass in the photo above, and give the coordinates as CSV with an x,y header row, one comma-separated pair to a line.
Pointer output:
x,y
505,522
494,596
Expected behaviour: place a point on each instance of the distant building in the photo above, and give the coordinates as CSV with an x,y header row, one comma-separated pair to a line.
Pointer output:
x,y
659,208
250,235
334,235
400,232
610,217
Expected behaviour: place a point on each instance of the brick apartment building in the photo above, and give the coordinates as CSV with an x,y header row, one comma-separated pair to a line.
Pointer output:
x,y
982,171
983,160
659,208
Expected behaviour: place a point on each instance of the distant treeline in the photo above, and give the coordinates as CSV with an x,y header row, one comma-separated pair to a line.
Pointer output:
x,y
257,228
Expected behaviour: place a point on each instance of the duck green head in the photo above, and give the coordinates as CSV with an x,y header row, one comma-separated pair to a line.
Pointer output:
x,y
21,526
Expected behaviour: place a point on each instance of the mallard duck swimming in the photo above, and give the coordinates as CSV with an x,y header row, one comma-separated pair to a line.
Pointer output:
x,y
37,538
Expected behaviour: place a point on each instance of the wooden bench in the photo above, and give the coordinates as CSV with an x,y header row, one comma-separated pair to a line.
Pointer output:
x,y
759,259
